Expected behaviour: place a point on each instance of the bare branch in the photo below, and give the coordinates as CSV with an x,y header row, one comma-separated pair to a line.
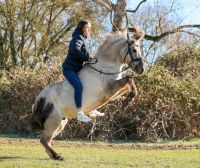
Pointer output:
x,y
191,33
133,11
111,21
107,4
58,13
161,36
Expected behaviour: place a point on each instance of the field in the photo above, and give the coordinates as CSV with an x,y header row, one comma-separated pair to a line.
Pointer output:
x,y
25,152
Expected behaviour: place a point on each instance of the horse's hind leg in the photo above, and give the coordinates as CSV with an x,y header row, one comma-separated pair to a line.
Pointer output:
x,y
51,127
59,130
61,127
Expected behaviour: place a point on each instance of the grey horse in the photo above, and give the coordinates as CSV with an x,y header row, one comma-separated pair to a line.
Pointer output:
x,y
101,82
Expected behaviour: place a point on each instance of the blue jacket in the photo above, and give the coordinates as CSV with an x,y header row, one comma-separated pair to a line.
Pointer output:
x,y
77,53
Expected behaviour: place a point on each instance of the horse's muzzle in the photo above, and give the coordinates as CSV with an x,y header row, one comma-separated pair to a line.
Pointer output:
x,y
139,67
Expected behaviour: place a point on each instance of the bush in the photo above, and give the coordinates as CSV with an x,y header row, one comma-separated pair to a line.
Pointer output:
x,y
18,90
167,106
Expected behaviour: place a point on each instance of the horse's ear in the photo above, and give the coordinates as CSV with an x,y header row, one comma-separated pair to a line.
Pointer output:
x,y
138,33
122,32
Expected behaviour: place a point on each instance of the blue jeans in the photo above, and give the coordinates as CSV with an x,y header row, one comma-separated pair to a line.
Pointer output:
x,y
75,81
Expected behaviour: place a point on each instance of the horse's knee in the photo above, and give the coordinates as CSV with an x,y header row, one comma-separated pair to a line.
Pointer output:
x,y
61,127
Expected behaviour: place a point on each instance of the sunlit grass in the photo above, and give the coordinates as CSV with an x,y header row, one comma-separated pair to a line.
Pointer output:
x,y
16,152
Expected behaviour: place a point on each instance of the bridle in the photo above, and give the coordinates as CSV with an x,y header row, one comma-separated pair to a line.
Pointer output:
x,y
130,52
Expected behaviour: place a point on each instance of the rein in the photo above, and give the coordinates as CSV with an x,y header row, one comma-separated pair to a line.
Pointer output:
x,y
114,73
109,73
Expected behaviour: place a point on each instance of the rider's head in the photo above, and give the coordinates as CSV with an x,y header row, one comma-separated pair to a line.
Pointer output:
x,y
85,27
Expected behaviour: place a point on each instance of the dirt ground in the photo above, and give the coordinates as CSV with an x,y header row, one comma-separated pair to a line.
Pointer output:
x,y
169,145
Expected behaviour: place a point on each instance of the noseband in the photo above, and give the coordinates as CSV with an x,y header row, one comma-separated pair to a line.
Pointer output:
x,y
130,52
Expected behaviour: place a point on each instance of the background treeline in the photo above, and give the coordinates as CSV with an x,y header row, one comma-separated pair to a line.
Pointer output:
x,y
34,37
167,106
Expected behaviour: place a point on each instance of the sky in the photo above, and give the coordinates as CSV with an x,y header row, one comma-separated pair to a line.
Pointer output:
x,y
188,10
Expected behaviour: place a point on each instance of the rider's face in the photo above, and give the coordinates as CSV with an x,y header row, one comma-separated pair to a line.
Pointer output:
x,y
86,30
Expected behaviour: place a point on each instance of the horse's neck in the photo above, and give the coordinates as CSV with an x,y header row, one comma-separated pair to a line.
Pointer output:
x,y
109,58
108,64
108,67
109,54
112,49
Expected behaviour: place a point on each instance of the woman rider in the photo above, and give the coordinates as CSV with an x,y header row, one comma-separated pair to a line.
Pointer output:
x,y
77,55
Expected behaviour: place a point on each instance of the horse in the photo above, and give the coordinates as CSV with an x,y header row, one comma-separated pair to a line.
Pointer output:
x,y
55,103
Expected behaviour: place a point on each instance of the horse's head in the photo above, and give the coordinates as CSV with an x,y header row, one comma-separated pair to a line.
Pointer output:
x,y
133,56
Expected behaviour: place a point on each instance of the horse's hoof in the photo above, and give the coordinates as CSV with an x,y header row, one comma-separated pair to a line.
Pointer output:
x,y
58,157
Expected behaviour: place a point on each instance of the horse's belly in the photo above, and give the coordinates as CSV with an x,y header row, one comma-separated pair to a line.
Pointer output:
x,y
92,97
70,111
89,103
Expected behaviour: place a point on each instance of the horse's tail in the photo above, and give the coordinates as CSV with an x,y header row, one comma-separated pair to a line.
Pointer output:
x,y
40,112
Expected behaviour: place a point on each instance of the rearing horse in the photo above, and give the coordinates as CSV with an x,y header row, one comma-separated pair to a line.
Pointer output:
x,y
56,102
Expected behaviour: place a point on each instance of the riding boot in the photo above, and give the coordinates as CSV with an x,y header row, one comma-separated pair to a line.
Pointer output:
x,y
96,113
82,117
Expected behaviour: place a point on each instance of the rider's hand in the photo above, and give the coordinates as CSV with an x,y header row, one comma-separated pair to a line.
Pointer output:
x,y
92,60
93,57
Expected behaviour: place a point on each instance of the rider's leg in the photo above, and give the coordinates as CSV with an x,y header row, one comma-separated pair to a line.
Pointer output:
x,y
75,81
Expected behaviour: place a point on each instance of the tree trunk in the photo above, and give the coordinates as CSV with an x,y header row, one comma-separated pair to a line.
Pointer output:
x,y
12,47
119,15
1,53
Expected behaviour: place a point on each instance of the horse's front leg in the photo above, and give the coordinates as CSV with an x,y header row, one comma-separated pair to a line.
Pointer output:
x,y
122,86
132,90
116,87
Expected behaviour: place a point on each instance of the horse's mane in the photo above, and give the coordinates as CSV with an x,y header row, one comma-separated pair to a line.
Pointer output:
x,y
109,40
114,36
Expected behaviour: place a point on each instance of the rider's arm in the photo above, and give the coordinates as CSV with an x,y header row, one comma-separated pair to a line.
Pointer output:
x,y
76,49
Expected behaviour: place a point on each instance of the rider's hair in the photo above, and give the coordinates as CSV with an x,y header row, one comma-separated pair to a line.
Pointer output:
x,y
82,23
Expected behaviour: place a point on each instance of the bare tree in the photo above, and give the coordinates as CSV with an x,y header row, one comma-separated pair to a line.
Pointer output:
x,y
34,29
163,28
120,12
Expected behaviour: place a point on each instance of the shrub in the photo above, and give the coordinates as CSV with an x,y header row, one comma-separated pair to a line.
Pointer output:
x,y
167,106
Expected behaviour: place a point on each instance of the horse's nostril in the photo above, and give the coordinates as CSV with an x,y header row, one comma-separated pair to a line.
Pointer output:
x,y
134,50
139,68
142,70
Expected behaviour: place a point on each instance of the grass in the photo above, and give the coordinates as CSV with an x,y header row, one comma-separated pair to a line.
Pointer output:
x,y
21,152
